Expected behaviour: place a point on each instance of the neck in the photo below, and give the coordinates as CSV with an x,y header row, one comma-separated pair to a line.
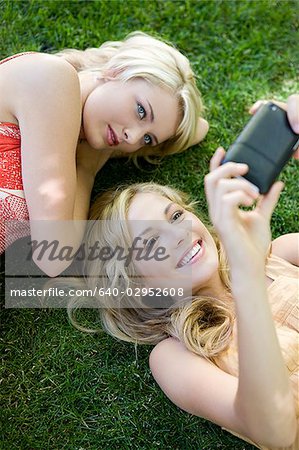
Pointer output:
x,y
88,82
215,288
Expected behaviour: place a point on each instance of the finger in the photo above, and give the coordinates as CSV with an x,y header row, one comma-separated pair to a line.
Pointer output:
x,y
228,209
268,202
256,106
282,105
225,186
217,158
227,170
296,154
232,200
293,111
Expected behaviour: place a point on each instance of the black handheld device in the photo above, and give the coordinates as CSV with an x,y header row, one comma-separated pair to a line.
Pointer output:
x,y
265,144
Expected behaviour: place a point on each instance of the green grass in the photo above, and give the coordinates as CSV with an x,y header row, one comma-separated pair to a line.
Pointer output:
x,y
62,389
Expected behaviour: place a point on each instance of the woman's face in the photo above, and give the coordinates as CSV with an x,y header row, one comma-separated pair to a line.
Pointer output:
x,y
126,116
192,257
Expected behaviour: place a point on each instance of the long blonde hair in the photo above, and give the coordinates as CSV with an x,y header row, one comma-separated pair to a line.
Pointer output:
x,y
142,56
203,324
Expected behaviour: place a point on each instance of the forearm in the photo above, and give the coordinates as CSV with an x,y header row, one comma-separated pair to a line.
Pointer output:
x,y
85,182
55,242
264,400
69,230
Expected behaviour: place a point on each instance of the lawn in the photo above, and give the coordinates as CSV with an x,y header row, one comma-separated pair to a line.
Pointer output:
x,y
62,389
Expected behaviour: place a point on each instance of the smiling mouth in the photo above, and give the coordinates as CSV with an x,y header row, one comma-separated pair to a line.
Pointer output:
x,y
111,137
191,254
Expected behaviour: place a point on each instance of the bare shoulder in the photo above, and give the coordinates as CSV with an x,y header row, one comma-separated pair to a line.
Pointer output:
x,y
33,77
29,66
195,384
171,352
287,247
163,347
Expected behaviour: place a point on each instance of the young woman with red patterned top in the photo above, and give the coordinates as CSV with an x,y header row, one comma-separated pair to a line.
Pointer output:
x,y
63,116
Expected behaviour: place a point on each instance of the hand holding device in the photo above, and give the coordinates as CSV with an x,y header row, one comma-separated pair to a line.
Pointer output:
x,y
265,144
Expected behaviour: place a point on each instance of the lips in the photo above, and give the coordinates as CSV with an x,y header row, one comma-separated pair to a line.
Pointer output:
x,y
190,254
112,138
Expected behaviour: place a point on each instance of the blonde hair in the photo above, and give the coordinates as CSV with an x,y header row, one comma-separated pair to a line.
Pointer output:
x,y
203,324
142,56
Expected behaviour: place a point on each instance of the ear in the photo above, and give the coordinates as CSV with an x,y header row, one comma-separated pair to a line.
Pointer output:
x,y
201,131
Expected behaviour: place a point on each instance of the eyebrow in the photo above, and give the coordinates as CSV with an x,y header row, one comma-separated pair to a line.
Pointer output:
x,y
152,118
168,208
165,213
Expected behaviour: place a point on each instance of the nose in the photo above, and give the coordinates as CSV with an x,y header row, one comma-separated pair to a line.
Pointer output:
x,y
176,235
133,135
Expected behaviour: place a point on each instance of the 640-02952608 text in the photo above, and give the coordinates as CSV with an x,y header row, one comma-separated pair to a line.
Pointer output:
x,y
98,291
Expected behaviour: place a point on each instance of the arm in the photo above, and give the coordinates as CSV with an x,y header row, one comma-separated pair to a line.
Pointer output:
x,y
264,398
196,385
45,98
259,404
202,389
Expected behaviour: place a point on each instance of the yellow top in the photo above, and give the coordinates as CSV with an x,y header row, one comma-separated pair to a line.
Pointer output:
x,y
283,298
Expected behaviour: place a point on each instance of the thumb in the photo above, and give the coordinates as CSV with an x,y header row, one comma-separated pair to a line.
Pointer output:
x,y
256,106
268,202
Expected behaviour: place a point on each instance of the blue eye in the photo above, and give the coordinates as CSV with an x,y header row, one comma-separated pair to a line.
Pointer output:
x,y
147,139
142,115
141,111
176,215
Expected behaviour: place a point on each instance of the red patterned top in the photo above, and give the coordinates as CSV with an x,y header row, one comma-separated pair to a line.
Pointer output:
x,y
12,202
14,217
10,156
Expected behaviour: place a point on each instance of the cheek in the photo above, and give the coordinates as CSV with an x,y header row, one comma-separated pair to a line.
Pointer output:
x,y
108,106
98,105
128,148
91,114
148,268
153,273
115,102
